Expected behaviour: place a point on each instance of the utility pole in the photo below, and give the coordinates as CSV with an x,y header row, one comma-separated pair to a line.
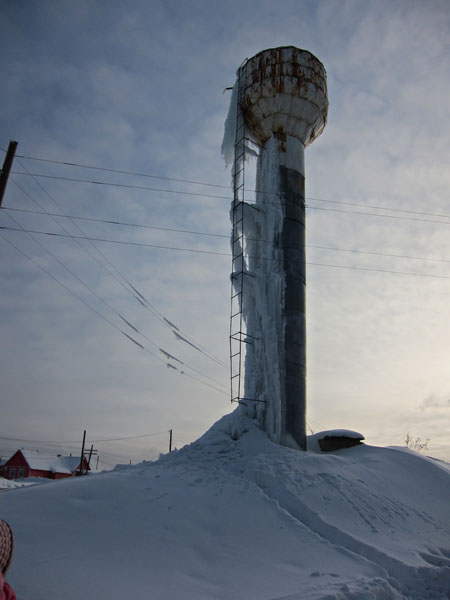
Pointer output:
x,y
4,173
82,452
170,441
90,454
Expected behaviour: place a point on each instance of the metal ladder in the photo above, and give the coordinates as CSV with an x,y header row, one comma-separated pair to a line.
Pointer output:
x,y
238,333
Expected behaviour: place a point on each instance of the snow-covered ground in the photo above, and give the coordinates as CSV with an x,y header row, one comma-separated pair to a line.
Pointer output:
x,y
13,484
235,516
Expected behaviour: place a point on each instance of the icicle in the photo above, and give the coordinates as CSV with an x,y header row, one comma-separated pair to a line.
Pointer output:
x,y
129,324
229,136
171,324
183,339
171,356
133,340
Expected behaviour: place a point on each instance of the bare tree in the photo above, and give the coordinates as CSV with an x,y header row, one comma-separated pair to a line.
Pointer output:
x,y
416,444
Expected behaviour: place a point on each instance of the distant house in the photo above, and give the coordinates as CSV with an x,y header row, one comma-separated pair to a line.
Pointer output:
x,y
25,463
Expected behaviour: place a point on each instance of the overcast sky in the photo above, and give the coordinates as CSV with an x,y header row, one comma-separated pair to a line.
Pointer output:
x,y
138,87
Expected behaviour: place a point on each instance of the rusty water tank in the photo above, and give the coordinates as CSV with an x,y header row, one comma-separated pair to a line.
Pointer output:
x,y
284,91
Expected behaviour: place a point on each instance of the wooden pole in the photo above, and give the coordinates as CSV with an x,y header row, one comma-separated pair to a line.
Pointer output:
x,y
90,455
170,441
4,173
82,453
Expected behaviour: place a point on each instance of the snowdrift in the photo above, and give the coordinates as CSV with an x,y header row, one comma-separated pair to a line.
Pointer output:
x,y
235,516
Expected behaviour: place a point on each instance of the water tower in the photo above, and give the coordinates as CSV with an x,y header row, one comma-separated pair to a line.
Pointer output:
x,y
281,106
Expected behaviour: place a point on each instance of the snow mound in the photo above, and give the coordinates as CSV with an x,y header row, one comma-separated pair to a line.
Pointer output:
x,y
235,516
12,484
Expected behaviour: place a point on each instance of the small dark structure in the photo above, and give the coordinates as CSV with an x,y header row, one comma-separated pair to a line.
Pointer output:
x,y
337,439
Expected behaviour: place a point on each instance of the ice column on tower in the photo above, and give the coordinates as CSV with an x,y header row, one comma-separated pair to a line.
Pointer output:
x,y
282,97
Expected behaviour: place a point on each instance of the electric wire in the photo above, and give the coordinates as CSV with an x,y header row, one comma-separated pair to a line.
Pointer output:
x,y
119,278
56,442
223,236
59,282
357,212
62,264
124,223
71,164
201,195
108,321
127,186
375,207
142,244
129,286
80,245
119,315
253,257
379,270
202,183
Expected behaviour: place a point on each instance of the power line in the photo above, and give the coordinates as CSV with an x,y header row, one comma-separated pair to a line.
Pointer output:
x,y
58,281
202,183
48,442
226,393
125,223
58,162
130,437
224,236
127,186
60,262
120,316
255,257
80,245
386,254
356,212
374,207
201,195
158,246
379,270
121,279
129,287
98,313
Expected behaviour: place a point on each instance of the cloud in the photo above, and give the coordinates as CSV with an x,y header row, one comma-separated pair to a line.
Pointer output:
x,y
436,403
140,89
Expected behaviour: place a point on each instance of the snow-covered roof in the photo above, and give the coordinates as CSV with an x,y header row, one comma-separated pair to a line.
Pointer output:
x,y
341,433
313,441
54,464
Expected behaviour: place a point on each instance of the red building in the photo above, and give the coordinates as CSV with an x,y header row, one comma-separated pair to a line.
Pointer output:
x,y
25,463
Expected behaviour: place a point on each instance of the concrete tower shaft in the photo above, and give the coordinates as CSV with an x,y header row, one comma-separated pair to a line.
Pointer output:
x,y
283,99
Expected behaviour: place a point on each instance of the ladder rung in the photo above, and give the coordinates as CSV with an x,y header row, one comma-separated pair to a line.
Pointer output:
x,y
252,400
236,333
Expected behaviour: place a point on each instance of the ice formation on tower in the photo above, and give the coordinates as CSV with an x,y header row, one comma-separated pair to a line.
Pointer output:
x,y
281,96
